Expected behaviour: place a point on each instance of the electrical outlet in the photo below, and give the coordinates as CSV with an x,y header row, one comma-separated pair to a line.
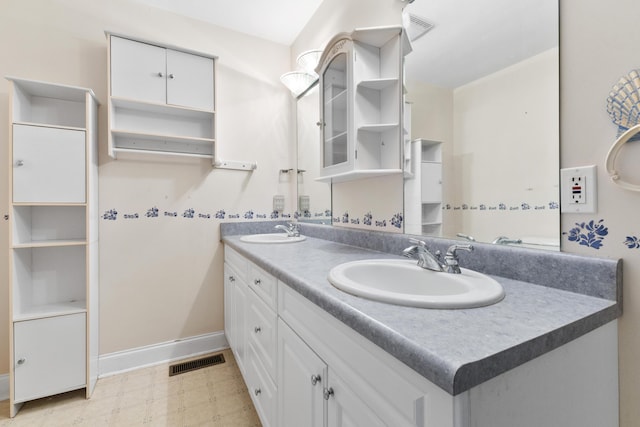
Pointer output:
x,y
578,189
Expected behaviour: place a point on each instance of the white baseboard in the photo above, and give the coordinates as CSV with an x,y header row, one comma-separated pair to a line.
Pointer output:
x,y
4,386
127,360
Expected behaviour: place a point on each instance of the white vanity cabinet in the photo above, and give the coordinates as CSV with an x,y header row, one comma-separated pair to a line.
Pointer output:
x,y
251,329
53,256
326,374
161,99
361,105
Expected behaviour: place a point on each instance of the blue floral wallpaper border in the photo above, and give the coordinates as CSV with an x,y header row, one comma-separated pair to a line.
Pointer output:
x,y
190,213
524,206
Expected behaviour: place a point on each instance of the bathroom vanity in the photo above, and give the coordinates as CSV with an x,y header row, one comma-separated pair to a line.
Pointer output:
x,y
313,355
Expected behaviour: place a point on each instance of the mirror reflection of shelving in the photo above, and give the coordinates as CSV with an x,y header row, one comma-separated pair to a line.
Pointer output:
x,y
431,186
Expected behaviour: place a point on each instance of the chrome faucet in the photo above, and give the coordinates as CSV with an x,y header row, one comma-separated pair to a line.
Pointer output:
x,y
504,240
425,258
451,258
292,230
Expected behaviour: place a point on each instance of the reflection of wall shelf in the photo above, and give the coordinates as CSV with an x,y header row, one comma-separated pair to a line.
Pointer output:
x,y
377,84
360,174
431,186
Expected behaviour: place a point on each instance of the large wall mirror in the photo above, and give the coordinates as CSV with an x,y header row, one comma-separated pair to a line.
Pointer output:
x,y
483,105
483,93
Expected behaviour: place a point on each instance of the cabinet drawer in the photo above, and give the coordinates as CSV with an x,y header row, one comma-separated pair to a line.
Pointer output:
x,y
264,285
262,389
237,261
261,329
48,165
49,356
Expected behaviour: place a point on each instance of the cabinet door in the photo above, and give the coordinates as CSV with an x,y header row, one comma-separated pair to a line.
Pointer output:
x,y
345,408
189,80
229,306
335,116
50,356
301,376
48,165
138,71
431,182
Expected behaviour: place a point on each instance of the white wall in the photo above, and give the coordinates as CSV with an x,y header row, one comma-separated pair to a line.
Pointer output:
x,y
599,44
505,138
161,278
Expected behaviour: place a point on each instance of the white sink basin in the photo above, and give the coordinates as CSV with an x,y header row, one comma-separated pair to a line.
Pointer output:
x,y
402,282
271,238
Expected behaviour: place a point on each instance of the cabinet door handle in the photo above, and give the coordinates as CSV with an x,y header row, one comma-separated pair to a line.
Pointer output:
x,y
22,361
257,281
327,393
257,329
160,74
232,279
171,76
315,379
19,162
257,391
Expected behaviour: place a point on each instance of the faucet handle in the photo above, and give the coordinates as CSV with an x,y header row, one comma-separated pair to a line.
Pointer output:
x,y
451,252
417,242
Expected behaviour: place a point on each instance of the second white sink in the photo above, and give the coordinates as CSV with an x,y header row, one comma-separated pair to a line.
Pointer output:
x,y
271,238
402,282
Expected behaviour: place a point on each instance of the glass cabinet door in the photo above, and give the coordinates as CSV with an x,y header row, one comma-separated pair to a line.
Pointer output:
x,y
334,112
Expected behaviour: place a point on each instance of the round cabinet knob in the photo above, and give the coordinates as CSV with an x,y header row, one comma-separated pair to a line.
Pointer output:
x,y
21,361
19,162
171,76
328,392
257,391
160,74
257,329
315,379
257,281
232,279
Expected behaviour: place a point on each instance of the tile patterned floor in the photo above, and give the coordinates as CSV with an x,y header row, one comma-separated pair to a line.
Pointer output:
x,y
212,396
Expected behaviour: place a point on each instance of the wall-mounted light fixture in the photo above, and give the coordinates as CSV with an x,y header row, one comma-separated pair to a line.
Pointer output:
x,y
299,81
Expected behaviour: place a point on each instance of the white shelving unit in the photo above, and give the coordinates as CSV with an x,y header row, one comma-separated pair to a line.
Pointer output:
x,y
431,186
361,104
53,290
161,99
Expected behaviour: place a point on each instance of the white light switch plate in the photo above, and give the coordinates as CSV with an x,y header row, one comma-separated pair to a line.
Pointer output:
x,y
579,189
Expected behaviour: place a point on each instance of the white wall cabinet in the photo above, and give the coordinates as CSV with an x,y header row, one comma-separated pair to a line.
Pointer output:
x,y
53,278
161,99
361,105
329,375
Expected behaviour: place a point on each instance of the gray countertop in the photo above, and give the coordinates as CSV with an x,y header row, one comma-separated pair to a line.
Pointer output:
x,y
455,349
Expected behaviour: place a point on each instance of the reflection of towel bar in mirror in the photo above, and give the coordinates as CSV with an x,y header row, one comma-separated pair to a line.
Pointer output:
x,y
613,154
236,165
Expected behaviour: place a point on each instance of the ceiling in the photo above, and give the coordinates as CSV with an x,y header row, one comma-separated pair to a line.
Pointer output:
x,y
279,21
470,38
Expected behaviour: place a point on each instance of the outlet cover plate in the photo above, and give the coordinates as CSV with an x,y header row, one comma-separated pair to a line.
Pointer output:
x,y
578,189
